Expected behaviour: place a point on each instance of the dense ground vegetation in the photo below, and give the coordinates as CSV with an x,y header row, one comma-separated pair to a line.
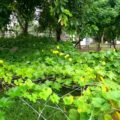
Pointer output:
x,y
45,80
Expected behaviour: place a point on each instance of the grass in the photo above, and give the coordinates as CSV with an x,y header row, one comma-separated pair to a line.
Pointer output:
x,y
21,111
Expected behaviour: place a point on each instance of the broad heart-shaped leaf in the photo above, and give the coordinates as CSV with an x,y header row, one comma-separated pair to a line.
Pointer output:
x,y
68,100
82,105
98,102
5,102
45,93
32,97
56,86
113,95
17,91
107,117
2,116
54,98
84,116
74,115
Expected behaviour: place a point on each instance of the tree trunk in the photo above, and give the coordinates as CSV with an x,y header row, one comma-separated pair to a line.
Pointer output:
x,y
102,39
78,43
98,40
50,32
3,33
110,44
114,45
25,28
99,46
23,25
58,32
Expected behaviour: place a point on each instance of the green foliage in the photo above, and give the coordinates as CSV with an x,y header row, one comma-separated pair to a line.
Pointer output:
x,y
2,116
68,100
85,83
5,102
54,98
59,11
74,115
5,12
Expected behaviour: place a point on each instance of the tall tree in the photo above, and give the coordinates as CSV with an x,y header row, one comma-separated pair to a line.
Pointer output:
x,y
5,11
105,15
79,23
55,15
61,14
25,10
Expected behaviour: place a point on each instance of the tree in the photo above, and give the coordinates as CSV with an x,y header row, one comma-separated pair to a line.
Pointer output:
x,y
79,23
5,11
55,15
61,14
102,15
95,18
46,20
25,12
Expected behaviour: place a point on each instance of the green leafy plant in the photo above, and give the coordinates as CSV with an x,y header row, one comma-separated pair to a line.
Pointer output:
x,y
79,85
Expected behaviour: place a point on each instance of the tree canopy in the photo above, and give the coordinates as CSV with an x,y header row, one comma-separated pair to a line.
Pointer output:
x,y
83,17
